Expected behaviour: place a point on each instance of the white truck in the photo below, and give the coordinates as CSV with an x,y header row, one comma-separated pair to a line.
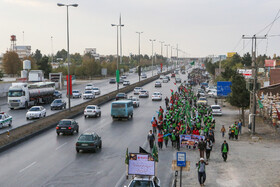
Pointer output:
x,y
22,95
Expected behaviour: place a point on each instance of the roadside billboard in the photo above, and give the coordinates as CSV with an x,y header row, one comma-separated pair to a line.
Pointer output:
x,y
223,88
230,54
141,164
247,73
270,63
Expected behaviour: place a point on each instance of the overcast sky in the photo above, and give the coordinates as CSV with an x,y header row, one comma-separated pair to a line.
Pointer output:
x,y
199,27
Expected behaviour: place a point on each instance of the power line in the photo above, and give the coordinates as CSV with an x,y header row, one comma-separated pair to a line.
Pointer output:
x,y
271,24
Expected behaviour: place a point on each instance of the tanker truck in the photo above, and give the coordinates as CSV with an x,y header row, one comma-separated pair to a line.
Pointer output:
x,y
23,95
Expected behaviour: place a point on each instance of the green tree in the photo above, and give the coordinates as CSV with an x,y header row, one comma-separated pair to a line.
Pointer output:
x,y
45,66
37,56
1,74
228,74
247,60
240,96
11,63
61,54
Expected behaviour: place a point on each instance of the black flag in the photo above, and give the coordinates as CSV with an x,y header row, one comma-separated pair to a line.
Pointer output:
x,y
141,150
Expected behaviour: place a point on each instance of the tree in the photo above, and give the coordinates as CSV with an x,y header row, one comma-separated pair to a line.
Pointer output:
x,y
240,96
45,66
228,73
37,56
1,74
61,54
11,63
247,60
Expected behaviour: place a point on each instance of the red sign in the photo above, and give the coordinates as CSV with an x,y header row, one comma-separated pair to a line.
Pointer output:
x,y
161,67
69,81
270,63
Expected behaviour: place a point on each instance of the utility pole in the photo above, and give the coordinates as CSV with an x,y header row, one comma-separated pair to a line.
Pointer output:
x,y
139,54
120,23
161,42
177,57
152,40
255,74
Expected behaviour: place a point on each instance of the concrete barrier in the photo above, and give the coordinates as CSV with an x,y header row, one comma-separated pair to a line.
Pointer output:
x,y
25,132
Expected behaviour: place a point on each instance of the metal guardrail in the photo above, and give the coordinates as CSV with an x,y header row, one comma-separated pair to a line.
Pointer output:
x,y
22,133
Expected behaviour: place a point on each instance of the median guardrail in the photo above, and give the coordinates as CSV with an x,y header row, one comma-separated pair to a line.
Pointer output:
x,y
22,133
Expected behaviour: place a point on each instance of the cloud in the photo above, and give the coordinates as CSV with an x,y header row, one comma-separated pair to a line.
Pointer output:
x,y
29,3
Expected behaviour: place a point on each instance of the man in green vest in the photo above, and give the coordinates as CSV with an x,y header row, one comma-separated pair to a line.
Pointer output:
x,y
224,150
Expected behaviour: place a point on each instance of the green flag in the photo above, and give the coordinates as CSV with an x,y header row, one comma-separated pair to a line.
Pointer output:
x,y
192,63
155,153
260,104
117,76
126,156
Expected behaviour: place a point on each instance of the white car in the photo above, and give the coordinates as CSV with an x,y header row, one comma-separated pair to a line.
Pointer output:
x,y
89,86
137,90
212,93
76,94
157,84
126,83
135,101
36,112
165,80
5,120
143,93
145,181
216,110
89,94
161,77
96,91
143,76
157,96
92,111
123,77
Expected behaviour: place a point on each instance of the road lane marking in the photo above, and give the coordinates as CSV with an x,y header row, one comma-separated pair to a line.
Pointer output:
x,y
60,146
86,130
27,167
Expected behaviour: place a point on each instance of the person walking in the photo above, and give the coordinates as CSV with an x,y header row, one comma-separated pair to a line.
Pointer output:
x,y
165,137
201,169
239,126
224,150
209,146
160,139
216,100
236,132
151,139
166,101
154,125
223,131
201,147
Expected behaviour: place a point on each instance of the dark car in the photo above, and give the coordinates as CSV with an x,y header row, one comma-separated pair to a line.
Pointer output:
x,y
121,96
67,126
88,142
58,104
112,81
57,94
173,75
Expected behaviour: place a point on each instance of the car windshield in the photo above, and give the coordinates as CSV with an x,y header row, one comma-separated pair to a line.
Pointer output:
x,y
34,109
216,107
95,88
202,98
141,183
90,107
88,92
156,93
1,116
64,122
86,138
89,85
143,91
75,91
118,105
15,93
57,101
120,95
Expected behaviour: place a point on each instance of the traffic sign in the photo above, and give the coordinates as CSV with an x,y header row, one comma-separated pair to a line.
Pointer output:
x,y
176,168
181,159
117,76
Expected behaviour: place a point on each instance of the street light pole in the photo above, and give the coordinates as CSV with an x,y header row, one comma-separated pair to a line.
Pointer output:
x,y
68,54
161,42
117,25
152,40
139,33
167,54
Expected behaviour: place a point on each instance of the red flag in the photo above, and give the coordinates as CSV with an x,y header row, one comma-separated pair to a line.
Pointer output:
x,y
278,113
175,83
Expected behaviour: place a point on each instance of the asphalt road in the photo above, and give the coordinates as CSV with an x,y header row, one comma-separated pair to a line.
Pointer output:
x,y
51,160
19,118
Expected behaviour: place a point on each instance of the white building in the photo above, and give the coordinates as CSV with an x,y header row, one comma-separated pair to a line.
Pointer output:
x,y
23,51
93,53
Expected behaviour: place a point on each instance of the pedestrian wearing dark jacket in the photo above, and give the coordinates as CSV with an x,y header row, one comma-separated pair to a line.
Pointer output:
x,y
151,139
201,147
224,150
208,148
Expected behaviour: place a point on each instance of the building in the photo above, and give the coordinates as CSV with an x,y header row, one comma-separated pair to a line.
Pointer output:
x,y
23,50
93,53
217,58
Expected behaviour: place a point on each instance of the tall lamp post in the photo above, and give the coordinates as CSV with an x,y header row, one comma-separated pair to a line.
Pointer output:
x,y
117,25
167,54
68,56
152,40
161,42
139,33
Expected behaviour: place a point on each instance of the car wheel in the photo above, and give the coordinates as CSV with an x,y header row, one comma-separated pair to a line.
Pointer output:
x,y
51,108
85,116
100,146
131,115
77,150
10,124
57,133
100,114
77,130
26,118
40,116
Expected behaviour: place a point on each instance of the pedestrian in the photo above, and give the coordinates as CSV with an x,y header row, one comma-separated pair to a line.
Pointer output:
x,y
208,148
224,150
201,169
216,101
236,131
178,140
223,130
165,137
239,126
166,101
154,125
160,140
151,139
201,147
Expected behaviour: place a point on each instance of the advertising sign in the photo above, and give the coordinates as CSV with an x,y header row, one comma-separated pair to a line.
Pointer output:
x,y
223,88
270,63
230,54
190,140
141,164
247,73
104,71
181,159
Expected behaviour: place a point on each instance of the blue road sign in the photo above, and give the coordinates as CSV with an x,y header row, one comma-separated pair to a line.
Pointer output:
x,y
223,88
181,159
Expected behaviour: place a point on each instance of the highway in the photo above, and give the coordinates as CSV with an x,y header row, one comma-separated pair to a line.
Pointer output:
x,y
19,114
51,160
